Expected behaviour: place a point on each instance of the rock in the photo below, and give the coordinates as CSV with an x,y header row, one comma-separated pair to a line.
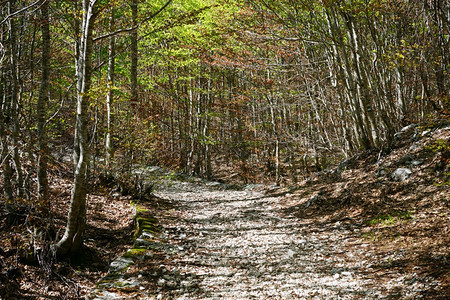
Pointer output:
x,y
120,264
416,162
161,282
167,277
426,132
406,159
380,172
414,147
290,253
146,235
105,295
127,283
142,243
314,199
252,186
401,174
404,130
171,284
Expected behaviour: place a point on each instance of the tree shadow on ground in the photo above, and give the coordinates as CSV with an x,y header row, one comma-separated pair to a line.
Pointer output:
x,y
408,220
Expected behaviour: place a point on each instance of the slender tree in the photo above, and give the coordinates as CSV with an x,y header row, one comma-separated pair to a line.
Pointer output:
x,y
42,105
72,239
134,50
110,93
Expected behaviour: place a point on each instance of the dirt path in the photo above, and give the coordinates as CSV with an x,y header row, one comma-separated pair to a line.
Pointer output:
x,y
219,243
241,245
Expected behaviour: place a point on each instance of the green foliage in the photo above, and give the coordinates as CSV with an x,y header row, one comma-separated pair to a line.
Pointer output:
x,y
446,183
391,218
439,145
208,140
189,29
171,176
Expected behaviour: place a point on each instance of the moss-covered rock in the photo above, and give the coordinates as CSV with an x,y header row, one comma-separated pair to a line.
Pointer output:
x,y
120,264
135,253
145,222
145,241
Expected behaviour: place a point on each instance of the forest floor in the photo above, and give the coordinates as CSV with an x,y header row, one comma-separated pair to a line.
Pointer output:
x,y
355,235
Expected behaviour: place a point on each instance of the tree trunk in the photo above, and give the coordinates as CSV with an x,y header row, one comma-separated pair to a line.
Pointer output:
x,y
72,240
14,106
5,120
129,153
346,74
109,96
42,104
134,51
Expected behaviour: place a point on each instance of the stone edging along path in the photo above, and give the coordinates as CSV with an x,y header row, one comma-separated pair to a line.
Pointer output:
x,y
118,280
217,243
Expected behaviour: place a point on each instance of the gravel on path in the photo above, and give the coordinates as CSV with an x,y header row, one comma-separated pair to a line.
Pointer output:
x,y
241,245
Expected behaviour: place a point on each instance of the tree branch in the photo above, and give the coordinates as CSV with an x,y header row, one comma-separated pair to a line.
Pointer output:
x,y
21,10
125,30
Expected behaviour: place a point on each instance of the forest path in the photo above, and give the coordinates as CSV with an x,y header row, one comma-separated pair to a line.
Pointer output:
x,y
243,245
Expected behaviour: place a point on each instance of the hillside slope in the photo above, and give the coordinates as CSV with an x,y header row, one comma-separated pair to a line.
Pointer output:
x,y
397,205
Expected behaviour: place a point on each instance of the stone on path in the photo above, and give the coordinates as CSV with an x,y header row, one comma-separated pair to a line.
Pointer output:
x,y
401,174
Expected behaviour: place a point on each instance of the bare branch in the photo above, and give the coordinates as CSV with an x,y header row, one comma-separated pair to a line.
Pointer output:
x,y
125,30
21,10
61,105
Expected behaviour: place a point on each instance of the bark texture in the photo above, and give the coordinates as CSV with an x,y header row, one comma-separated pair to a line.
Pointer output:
x,y
72,240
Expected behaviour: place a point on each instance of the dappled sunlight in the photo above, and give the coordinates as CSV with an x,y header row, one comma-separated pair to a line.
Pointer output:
x,y
240,245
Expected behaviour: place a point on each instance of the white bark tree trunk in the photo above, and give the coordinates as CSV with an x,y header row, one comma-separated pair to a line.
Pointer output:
x,y
72,239
109,96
